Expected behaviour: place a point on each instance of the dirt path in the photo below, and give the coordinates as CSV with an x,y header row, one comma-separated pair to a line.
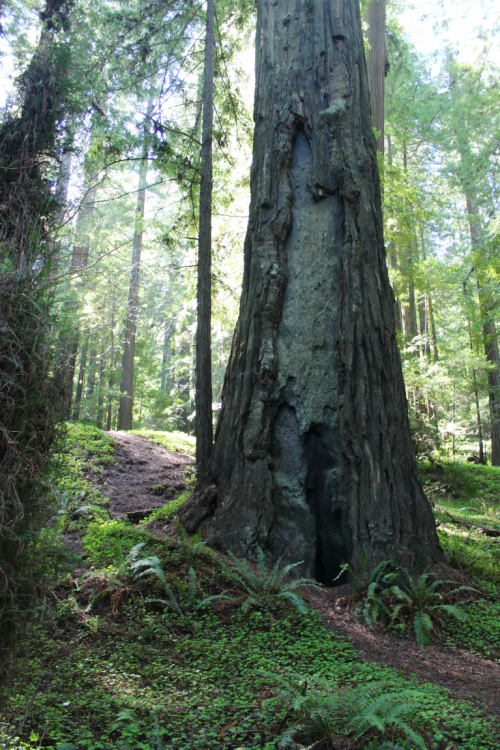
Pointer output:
x,y
460,671
143,475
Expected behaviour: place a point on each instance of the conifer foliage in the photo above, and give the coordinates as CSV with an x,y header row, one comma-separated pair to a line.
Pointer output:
x,y
29,392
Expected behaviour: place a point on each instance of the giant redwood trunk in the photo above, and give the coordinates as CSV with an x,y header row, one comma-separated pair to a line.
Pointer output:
x,y
313,458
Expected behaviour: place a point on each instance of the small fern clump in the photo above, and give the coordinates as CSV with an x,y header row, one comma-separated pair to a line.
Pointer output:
x,y
186,600
380,591
266,587
327,711
385,599
426,603
140,567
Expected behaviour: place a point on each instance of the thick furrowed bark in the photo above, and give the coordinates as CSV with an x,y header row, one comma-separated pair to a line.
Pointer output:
x,y
313,458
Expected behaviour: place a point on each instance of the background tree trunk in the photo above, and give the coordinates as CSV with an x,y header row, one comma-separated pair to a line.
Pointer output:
x,y
313,458
168,331
81,380
377,65
68,347
203,387
127,380
100,400
490,338
486,304
84,224
61,196
111,381
430,307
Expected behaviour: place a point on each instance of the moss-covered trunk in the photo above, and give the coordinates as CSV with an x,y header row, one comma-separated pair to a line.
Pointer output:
x,y
313,458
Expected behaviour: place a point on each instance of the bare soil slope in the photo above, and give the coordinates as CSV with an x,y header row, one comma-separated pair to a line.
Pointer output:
x,y
143,475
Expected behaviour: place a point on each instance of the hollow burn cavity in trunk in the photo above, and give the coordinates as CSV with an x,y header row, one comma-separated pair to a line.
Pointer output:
x,y
310,521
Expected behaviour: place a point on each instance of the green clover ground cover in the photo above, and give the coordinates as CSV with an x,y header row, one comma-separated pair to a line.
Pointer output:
x,y
139,683
117,668
141,678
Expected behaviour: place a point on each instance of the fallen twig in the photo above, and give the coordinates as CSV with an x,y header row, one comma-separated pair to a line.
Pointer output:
x,y
17,731
468,525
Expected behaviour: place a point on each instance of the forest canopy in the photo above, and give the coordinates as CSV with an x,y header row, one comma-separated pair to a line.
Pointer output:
x,y
440,164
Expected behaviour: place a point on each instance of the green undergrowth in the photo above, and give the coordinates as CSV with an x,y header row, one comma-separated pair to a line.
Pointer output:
x,y
166,513
166,645
461,481
471,494
84,451
178,442
478,557
163,644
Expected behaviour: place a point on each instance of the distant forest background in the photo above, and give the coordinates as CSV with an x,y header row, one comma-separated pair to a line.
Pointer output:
x,y
127,177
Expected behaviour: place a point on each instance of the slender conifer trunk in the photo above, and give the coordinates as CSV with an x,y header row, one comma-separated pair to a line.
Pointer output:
x,y
377,65
79,259
313,459
127,380
486,302
102,375
168,331
81,381
111,381
203,385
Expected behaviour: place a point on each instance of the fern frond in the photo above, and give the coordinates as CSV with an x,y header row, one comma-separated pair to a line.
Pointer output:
x,y
398,594
249,603
286,570
422,625
181,532
395,612
152,572
261,562
191,589
132,555
215,597
286,739
296,600
411,734
378,571
463,588
148,566
453,610
373,589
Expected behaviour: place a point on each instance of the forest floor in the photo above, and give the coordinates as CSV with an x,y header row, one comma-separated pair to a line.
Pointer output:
x,y
132,655
458,670
145,475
